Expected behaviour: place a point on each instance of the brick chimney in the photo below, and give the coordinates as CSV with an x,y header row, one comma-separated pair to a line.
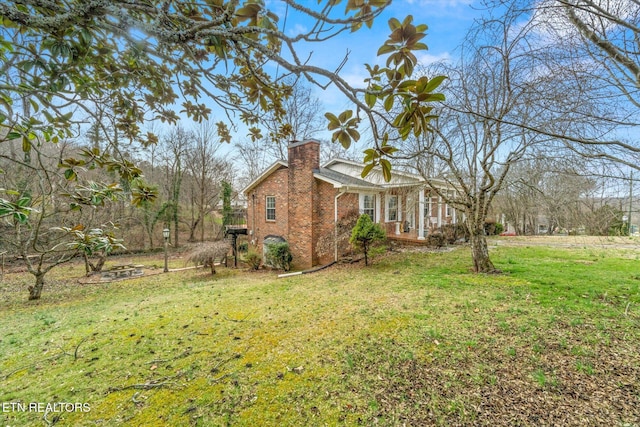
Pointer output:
x,y
304,157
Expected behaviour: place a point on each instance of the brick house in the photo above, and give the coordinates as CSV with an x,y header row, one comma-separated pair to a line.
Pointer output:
x,y
300,202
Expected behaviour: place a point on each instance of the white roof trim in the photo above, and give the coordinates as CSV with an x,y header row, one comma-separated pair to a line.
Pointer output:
x,y
347,187
271,169
335,184
361,166
339,160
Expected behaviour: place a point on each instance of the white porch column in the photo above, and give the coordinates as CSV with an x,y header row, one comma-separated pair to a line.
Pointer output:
x,y
421,214
454,216
439,211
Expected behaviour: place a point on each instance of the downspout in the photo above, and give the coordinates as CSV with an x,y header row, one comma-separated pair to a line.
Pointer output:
x,y
335,224
253,218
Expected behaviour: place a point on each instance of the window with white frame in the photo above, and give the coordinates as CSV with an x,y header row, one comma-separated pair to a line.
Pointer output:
x,y
271,208
368,205
392,208
410,210
449,208
427,208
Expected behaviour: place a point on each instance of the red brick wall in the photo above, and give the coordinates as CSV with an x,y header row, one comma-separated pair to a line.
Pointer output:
x,y
323,219
347,203
274,185
304,157
304,207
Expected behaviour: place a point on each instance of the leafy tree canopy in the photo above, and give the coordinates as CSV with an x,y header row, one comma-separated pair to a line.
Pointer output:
x,y
142,58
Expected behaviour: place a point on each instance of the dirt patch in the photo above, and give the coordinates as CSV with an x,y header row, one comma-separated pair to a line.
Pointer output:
x,y
488,387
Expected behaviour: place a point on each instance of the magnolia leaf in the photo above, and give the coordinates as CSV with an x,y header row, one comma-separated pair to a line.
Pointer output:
x,y
26,145
354,134
419,46
369,155
434,83
388,102
334,123
23,202
344,139
388,149
386,48
251,10
370,99
435,97
414,38
346,115
386,169
70,175
394,24
13,135
367,169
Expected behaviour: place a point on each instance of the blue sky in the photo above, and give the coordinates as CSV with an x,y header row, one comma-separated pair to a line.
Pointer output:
x,y
448,21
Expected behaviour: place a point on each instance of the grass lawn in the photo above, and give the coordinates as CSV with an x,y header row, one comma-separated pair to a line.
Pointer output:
x,y
415,339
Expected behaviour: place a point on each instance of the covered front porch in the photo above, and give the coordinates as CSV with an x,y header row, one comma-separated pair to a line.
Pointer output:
x,y
412,213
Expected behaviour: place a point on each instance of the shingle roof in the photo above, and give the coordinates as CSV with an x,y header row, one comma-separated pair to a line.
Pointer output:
x,y
341,180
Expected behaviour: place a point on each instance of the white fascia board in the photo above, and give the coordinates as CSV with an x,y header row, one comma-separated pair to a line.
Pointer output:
x,y
347,188
271,169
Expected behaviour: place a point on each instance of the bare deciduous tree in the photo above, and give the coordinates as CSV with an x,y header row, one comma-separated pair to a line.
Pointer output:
x,y
207,171
175,147
474,146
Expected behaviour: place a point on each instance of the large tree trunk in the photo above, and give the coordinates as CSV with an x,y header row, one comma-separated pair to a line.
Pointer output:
x,y
94,268
36,291
175,226
480,251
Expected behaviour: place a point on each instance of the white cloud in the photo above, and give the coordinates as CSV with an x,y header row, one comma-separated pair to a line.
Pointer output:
x,y
428,59
296,29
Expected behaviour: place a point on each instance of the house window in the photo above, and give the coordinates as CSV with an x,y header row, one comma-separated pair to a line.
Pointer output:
x,y
271,208
368,206
428,208
410,215
392,208
449,208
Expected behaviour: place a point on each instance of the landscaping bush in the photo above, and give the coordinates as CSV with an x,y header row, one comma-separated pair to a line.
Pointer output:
x,y
365,234
435,240
253,258
207,253
454,232
279,255
492,228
